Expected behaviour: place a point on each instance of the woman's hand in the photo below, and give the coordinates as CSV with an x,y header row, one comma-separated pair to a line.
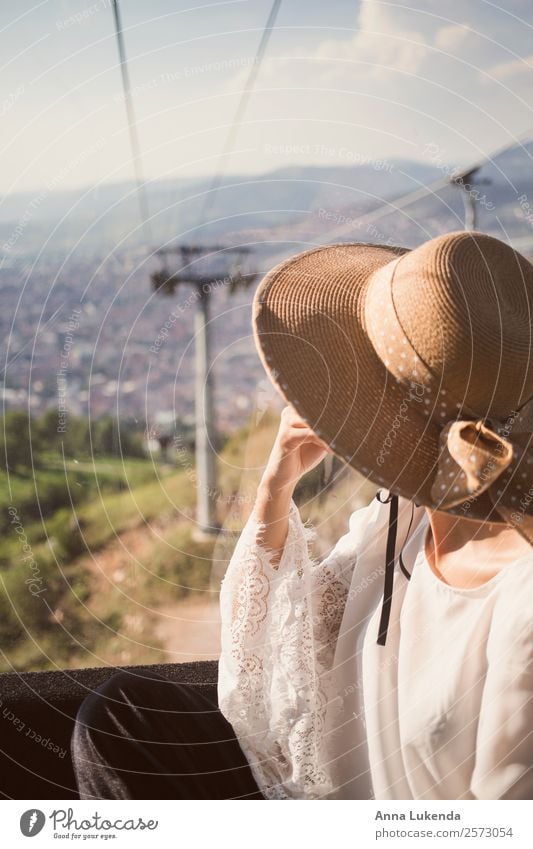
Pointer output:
x,y
296,450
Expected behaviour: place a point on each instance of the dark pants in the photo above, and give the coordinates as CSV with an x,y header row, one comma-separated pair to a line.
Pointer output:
x,y
140,736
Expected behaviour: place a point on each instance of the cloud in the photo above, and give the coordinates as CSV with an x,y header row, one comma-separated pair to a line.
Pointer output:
x,y
398,36
382,41
453,37
516,71
410,72
377,54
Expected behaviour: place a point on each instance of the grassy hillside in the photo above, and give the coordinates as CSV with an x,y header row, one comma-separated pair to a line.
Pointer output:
x,y
83,583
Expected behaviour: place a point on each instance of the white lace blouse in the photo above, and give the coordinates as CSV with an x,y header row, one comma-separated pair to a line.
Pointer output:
x,y
442,711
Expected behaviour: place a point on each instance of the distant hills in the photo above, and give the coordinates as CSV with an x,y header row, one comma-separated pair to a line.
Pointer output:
x,y
107,215
304,202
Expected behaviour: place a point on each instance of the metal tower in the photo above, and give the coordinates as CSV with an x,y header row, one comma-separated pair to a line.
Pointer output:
x,y
206,268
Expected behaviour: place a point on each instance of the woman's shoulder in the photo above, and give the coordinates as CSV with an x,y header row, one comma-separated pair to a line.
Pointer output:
x,y
517,580
369,525
512,620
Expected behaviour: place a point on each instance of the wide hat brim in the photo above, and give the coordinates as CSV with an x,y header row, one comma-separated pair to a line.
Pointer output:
x,y
309,330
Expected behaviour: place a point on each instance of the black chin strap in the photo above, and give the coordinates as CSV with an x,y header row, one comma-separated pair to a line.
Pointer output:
x,y
390,557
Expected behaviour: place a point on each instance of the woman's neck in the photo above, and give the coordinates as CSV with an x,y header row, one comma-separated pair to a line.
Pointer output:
x,y
465,553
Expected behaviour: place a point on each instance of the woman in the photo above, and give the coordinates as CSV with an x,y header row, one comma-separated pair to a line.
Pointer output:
x,y
388,671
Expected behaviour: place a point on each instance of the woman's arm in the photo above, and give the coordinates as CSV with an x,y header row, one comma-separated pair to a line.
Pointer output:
x,y
296,450
264,593
281,612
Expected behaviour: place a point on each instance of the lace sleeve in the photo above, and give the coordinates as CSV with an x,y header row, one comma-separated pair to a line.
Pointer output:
x,y
279,631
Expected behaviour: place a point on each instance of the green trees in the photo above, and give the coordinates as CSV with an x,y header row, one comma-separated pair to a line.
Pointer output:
x,y
27,442
109,438
20,437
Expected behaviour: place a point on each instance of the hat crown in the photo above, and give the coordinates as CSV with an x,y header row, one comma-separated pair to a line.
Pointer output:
x,y
465,302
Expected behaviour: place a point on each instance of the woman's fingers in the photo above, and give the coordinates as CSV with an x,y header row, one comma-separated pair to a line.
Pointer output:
x,y
297,431
297,435
291,417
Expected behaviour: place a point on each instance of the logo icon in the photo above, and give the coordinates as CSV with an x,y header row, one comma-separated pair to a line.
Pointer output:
x,y
31,822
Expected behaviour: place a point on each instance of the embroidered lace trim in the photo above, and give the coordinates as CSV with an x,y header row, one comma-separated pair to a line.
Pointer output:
x,y
280,625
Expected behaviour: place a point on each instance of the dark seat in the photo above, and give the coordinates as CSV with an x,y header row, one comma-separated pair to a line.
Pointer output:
x,y
37,712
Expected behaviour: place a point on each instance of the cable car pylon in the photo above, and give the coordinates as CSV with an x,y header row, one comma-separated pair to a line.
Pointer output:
x,y
206,268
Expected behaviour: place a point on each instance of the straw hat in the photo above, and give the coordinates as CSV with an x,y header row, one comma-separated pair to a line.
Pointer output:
x,y
415,366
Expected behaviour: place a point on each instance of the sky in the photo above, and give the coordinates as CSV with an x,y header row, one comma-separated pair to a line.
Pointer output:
x,y
342,82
